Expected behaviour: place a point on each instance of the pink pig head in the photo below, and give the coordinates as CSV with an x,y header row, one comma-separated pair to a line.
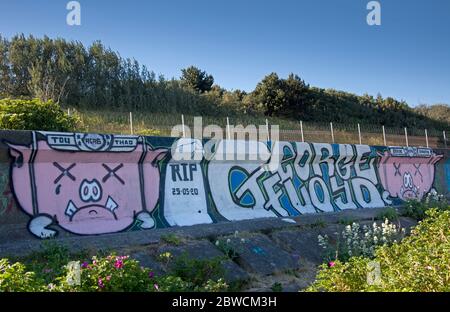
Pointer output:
x,y
407,172
86,183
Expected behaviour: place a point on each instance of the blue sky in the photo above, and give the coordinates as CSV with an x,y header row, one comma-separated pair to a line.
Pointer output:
x,y
326,42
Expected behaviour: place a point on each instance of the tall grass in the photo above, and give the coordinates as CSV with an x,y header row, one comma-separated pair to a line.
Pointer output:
x,y
148,123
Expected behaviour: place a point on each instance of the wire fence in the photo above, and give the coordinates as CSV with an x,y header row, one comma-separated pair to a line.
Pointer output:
x,y
146,123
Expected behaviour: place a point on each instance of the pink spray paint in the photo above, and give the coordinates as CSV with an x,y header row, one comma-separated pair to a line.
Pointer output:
x,y
85,183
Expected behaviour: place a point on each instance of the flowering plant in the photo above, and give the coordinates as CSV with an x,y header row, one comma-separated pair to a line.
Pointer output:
x,y
355,240
113,273
419,263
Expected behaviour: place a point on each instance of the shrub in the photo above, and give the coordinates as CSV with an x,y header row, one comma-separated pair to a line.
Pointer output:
x,y
421,262
341,276
15,277
48,263
355,240
171,239
50,270
198,271
389,213
276,287
230,249
416,209
34,115
226,247
111,273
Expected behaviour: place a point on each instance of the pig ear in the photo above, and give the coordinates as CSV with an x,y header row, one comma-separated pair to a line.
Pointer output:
x,y
384,156
160,154
435,159
17,152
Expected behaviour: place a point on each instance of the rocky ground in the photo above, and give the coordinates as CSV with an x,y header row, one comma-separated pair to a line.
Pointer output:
x,y
264,254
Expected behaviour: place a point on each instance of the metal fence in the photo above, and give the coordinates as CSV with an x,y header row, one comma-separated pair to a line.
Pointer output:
x,y
162,124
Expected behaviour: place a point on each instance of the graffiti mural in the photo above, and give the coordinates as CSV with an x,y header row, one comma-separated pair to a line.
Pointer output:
x,y
85,183
408,172
90,184
185,196
310,178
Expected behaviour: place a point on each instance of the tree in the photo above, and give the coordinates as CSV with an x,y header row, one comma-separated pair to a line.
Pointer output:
x,y
281,97
5,75
439,112
296,91
197,79
269,96
95,77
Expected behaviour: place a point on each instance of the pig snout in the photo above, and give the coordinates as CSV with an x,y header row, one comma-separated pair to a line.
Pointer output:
x,y
408,190
90,191
408,181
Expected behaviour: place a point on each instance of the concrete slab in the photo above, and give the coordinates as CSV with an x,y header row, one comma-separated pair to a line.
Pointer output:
x,y
258,254
203,249
303,244
28,244
148,261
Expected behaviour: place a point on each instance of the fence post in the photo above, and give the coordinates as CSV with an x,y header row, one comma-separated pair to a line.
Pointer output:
x,y
332,132
301,130
182,124
267,128
426,137
445,139
359,134
131,123
384,136
406,137
228,129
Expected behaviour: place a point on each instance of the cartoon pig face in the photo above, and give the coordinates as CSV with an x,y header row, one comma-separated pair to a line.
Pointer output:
x,y
85,192
407,177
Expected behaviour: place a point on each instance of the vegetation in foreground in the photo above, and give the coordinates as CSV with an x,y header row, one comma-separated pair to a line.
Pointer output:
x,y
52,270
419,263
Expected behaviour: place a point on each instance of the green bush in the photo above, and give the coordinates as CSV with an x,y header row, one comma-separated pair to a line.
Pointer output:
x,y
342,276
111,273
198,271
421,262
48,263
389,213
171,239
14,277
416,209
34,114
121,273
51,270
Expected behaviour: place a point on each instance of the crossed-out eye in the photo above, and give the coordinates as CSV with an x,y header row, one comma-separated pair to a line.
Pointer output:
x,y
112,173
397,169
64,172
417,166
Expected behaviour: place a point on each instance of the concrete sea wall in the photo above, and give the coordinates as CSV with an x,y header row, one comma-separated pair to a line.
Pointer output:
x,y
89,184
